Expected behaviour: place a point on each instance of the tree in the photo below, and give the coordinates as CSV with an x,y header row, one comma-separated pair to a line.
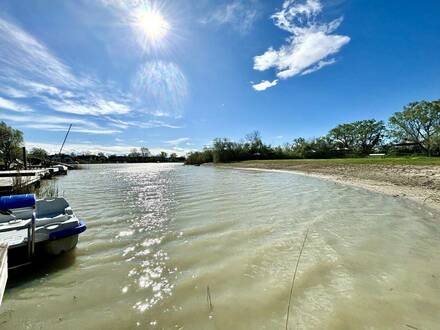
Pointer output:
x,y
173,156
254,142
419,122
11,140
344,136
145,152
163,155
134,153
361,136
368,134
38,153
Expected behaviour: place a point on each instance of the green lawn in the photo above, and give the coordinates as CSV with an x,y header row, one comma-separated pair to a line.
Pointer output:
x,y
354,161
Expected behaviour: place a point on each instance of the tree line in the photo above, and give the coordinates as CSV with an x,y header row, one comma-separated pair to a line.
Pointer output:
x,y
414,130
11,153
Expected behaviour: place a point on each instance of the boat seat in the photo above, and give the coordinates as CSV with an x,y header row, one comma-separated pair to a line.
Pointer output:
x,y
49,220
52,208
23,213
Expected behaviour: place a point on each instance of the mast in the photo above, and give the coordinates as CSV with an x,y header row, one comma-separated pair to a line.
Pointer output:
x,y
65,138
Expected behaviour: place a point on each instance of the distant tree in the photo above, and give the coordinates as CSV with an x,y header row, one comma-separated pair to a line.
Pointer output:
x,y
11,140
343,135
145,152
321,147
419,122
38,153
163,155
369,134
199,157
254,142
173,156
101,156
134,153
224,150
360,136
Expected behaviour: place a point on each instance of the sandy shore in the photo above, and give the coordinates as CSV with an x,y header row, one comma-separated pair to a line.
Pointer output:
x,y
418,183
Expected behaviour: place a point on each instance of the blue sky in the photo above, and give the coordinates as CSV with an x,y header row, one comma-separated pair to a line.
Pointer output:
x,y
173,75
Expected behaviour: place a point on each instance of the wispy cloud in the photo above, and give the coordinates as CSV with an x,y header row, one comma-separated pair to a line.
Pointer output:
x,y
28,69
31,76
57,123
179,141
13,106
23,56
308,48
239,14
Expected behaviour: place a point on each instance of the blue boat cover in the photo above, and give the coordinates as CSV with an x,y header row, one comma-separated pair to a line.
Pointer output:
x,y
17,201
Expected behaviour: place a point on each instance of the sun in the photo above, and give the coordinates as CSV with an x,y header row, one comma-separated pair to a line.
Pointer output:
x,y
152,24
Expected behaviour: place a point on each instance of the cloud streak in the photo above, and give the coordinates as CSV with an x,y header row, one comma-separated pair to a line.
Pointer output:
x,y
29,70
58,124
309,47
241,15
13,106
32,78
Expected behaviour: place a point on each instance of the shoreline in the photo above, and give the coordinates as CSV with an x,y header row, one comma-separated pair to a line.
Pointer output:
x,y
429,198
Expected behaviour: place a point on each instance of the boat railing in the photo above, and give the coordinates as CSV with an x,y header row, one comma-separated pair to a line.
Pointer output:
x,y
28,224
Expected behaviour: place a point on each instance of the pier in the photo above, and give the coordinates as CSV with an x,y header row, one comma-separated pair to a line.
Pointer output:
x,y
9,180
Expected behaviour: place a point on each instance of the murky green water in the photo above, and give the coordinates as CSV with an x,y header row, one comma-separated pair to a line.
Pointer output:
x,y
160,234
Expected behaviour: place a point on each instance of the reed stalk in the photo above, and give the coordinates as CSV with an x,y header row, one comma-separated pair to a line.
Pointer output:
x,y
209,300
294,277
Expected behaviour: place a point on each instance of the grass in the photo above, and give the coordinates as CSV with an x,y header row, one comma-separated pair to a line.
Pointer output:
x,y
417,161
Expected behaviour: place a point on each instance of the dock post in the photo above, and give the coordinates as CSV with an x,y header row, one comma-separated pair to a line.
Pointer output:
x,y
25,158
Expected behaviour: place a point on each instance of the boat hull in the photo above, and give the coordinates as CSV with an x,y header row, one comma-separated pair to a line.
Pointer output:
x,y
58,246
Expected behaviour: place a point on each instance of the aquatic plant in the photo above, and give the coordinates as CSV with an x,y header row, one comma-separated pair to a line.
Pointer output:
x,y
48,190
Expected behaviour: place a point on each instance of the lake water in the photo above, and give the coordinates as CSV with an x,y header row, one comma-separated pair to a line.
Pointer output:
x,y
160,234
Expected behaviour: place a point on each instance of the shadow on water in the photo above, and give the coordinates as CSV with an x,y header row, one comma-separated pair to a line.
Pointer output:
x,y
42,266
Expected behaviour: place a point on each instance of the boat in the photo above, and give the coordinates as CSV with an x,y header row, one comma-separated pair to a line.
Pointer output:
x,y
44,226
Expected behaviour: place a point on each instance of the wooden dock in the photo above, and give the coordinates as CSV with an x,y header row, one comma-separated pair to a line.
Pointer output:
x,y
25,178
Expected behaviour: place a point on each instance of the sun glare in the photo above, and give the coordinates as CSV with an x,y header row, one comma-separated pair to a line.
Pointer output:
x,y
153,25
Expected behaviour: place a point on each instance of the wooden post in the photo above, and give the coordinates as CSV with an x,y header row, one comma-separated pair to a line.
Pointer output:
x,y
25,158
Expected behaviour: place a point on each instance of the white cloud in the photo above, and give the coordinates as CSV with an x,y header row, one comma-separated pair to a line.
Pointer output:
x,y
13,106
30,72
178,142
309,46
124,124
57,124
28,69
318,66
22,56
240,14
95,107
265,84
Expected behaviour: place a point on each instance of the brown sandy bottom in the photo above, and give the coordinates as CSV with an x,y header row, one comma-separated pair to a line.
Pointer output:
x,y
417,183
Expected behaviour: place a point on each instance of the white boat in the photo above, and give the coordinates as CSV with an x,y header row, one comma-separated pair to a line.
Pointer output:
x,y
45,225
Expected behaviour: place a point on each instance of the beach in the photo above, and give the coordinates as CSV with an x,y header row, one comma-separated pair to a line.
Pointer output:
x,y
420,183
